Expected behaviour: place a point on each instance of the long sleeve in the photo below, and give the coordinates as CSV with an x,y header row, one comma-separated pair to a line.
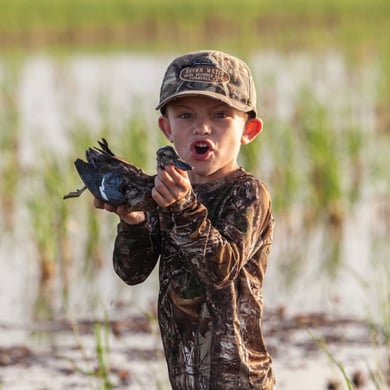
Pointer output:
x,y
213,247
135,252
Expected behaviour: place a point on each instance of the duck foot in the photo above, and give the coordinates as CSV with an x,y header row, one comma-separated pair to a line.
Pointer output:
x,y
75,194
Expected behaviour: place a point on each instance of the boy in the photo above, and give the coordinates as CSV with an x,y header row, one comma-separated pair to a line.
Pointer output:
x,y
212,230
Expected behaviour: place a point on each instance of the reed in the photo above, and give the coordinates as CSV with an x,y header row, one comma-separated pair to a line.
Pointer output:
x,y
322,345
301,162
102,354
380,328
48,216
137,142
355,145
280,164
377,290
98,367
9,140
322,156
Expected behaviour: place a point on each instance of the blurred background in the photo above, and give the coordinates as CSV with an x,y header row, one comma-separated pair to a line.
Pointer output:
x,y
72,72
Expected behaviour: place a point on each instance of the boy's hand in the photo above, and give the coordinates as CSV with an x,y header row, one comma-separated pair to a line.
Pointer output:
x,y
132,218
170,185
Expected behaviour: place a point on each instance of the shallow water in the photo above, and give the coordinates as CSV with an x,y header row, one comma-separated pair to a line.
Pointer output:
x,y
52,94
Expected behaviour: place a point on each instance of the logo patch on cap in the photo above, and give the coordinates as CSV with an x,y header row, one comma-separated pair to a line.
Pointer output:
x,y
204,74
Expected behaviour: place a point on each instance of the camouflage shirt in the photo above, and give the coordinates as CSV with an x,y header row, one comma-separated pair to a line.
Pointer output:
x,y
213,248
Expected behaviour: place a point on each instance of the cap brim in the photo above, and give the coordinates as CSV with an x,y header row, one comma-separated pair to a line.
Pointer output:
x,y
230,102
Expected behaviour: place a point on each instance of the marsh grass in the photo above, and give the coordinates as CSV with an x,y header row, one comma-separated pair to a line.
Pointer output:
x,y
9,140
323,346
97,366
322,157
102,353
314,171
136,142
380,328
48,221
377,290
325,175
379,375
173,24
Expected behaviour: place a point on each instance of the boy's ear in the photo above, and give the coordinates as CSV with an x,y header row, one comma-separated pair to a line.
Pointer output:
x,y
163,124
252,129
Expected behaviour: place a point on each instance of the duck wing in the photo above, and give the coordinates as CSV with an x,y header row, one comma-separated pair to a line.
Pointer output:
x,y
117,186
114,180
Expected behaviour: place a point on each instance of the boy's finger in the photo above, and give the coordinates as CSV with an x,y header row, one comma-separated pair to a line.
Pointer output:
x,y
98,203
176,171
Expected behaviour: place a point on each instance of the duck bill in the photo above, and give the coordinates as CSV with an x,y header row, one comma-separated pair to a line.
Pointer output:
x,y
182,165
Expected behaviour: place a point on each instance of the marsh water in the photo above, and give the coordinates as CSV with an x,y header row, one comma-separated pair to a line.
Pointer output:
x,y
330,254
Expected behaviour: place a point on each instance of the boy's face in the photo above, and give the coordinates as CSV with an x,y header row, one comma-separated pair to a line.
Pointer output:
x,y
207,134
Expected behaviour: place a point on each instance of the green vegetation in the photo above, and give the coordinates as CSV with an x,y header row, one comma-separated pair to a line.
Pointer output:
x,y
9,141
379,320
173,23
322,345
314,168
313,161
97,367
317,170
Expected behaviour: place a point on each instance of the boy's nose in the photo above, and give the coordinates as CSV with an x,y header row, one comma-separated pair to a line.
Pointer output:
x,y
202,129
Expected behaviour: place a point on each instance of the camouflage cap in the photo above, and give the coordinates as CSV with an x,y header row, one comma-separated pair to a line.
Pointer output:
x,y
210,73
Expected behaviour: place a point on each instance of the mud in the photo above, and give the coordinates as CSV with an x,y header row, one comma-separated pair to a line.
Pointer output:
x,y
62,354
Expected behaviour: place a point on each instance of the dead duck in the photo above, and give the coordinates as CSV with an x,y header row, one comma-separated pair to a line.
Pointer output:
x,y
116,181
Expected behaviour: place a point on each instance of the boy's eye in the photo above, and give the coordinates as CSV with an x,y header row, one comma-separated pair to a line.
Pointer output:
x,y
185,115
220,115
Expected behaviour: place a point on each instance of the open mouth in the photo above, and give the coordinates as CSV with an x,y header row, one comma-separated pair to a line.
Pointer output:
x,y
201,150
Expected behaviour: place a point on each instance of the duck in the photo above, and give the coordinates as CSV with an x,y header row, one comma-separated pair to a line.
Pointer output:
x,y
118,182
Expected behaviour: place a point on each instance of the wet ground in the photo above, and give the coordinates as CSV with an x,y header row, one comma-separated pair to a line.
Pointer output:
x,y
62,354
